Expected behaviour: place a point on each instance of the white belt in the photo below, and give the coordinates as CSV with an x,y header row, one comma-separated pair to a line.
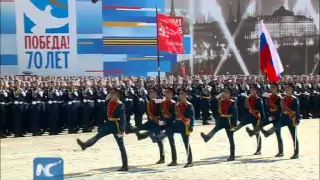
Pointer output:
x,y
35,102
50,102
18,102
127,99
140,99
99,100
70,102
85,100
2,103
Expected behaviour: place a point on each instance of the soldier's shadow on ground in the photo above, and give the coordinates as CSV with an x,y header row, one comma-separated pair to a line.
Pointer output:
x,y
238,160
141,169
153,168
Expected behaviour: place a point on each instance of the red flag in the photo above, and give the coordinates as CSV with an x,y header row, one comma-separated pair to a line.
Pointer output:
x,y
169,37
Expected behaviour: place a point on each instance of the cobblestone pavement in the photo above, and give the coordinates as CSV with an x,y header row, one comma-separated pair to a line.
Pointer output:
x,y
100,161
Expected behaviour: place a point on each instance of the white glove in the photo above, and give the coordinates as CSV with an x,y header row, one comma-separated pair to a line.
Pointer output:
x,y
105,92
41,93
108,97
219,96
61,93
140,99
265,94
158,101
5,94
270,118
162,123
90,92
243,94
57,93
75,93
23,93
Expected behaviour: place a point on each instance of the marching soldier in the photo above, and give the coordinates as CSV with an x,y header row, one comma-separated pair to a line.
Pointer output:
x,y
305,98
100,107
255,116
115,125
272,112
291,116
242,93
128,95
52,106
139,102
168,117
205,102
86,97
184,112
228,118
37,108
153,125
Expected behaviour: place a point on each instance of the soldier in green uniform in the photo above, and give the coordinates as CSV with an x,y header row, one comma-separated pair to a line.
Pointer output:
x,y
228,118
116,124
184,123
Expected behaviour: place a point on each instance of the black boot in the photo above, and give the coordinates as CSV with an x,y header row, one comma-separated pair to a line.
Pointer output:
x,y
161,136
94,1
189,164
279,155
251,132
141,136
295,156
81,144
204,137
234,129
173,163
231,158
162,160
257,153
268,132
125,166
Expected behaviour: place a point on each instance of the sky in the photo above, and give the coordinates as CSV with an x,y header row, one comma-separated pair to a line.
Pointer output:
x,y
269,6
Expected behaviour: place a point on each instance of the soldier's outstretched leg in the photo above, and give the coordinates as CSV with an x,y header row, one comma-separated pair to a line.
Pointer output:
x,y
173,151
123,153
207,137
293,132
186,142
259,139
161,151
232,146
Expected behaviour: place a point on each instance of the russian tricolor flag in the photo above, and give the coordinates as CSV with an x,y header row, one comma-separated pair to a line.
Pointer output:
x,y
270,62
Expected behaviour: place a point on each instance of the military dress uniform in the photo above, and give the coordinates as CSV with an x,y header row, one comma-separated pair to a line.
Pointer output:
x,y
168,116
37,109
290,117
272,114
305,100
52,106
205,103
216,89
72,102
4,100
184,112
196,100
139,104
87,106
18,100
228,117
127,98
153,125
256,116
115,124
241,99
100,107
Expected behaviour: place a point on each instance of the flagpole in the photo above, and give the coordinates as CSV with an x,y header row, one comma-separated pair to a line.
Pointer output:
x,y
158,52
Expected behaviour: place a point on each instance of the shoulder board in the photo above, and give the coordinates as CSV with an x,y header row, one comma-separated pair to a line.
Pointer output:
x,y
189,103
231,100
173,101
294,97
119,102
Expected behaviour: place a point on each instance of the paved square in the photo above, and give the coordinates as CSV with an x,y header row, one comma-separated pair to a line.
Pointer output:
x,y
100,161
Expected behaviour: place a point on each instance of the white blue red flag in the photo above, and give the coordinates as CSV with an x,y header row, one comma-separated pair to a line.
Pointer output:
x,y
270,62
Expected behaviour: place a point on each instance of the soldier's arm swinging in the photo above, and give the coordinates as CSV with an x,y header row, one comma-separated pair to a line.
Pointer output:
x,y
122,117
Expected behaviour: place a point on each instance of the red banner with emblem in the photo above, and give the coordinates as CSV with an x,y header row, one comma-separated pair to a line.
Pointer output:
x,y
170,36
